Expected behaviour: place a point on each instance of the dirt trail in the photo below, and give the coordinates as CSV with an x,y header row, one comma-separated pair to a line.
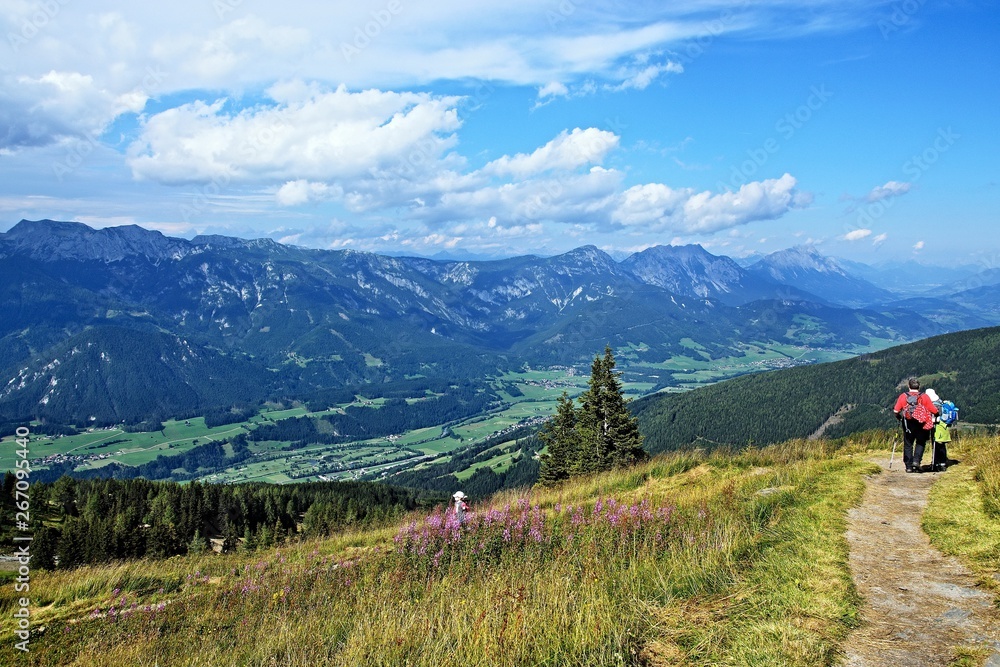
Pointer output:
x,y
919,604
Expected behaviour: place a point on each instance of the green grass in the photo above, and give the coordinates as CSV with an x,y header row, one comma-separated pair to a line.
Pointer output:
x,y
687,559
177,437
963,515
499,463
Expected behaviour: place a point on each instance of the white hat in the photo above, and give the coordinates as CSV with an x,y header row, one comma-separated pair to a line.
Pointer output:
x,y
458,495
931,394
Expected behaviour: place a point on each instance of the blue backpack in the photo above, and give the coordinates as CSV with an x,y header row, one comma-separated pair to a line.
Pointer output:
x,y
949,413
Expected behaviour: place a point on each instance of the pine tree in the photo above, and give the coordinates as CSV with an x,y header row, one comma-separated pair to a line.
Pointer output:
x,y
622,440
249,544
600,435
563,441
43,548
198,545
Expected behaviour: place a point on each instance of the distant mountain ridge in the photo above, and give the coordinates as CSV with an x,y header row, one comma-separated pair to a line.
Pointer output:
x,y
805,268
310,319
693,272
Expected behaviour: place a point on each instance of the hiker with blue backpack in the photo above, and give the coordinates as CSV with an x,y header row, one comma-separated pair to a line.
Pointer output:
x,y
941,435
915,411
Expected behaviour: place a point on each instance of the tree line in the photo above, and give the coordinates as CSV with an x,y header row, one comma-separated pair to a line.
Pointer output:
x,y
395,415
484,482
76,522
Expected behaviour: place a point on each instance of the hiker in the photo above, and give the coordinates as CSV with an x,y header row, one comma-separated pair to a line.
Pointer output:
x,y
915,411
938,443
941,435
460,507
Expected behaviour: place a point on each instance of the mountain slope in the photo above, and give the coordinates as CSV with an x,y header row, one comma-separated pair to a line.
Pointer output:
x,y
693,272
110,374
803,267
318,319
775,406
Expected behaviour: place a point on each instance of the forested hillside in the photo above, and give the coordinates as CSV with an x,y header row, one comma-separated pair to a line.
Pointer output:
x,y
772,407
94,521
107,375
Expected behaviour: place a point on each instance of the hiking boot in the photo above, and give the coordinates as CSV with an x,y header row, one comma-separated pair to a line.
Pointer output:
x,y
941,467
917,469
911,469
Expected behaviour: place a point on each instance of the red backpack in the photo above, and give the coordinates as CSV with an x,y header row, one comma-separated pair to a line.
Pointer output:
x,y
916,411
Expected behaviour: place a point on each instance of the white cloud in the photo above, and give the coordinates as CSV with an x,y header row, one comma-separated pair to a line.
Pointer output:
x,y
567,151
889,190
642,78
880,239
59,105
295,193
658,207
857,234
235,47
919,245
553,89
308,134
226,52
561,198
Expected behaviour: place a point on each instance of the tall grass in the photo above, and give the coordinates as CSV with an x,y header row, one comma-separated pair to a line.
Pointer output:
x,y
963,516
689,558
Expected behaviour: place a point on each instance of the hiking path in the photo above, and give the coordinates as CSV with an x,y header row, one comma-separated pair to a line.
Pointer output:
x,y
919,604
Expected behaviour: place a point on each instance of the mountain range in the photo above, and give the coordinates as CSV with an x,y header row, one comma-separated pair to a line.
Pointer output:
x,y
282,321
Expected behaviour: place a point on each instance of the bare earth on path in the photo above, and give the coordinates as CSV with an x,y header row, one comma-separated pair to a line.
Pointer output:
x,y
920,605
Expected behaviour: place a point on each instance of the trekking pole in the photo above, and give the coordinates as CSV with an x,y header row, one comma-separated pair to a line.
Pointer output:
x,y
933,450
893,455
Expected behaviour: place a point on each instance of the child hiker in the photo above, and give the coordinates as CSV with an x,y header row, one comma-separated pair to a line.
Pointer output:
x,y
460,507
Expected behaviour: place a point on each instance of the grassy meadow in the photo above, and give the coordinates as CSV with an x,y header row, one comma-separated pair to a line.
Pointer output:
x,y
735,558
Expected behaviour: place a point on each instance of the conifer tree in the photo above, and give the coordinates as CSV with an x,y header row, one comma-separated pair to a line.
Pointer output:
x,y
623,442
43,548
562,439
600,435
198,544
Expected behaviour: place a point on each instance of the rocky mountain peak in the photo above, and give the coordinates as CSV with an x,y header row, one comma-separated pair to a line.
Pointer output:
x,y
801,257
51,240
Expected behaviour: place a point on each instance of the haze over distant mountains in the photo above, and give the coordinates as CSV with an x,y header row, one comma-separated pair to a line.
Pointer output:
x,y
294,320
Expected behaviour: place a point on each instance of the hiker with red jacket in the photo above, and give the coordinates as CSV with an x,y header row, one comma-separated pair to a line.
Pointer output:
x,y
915,410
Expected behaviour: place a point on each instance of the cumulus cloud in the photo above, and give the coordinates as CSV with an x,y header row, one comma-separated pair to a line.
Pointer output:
x,y
553,89
301,191
659,207
306,133
887,191
857,234
566,197
59,105
567,151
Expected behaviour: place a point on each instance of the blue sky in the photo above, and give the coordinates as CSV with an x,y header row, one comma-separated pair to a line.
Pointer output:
x,y
869,129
